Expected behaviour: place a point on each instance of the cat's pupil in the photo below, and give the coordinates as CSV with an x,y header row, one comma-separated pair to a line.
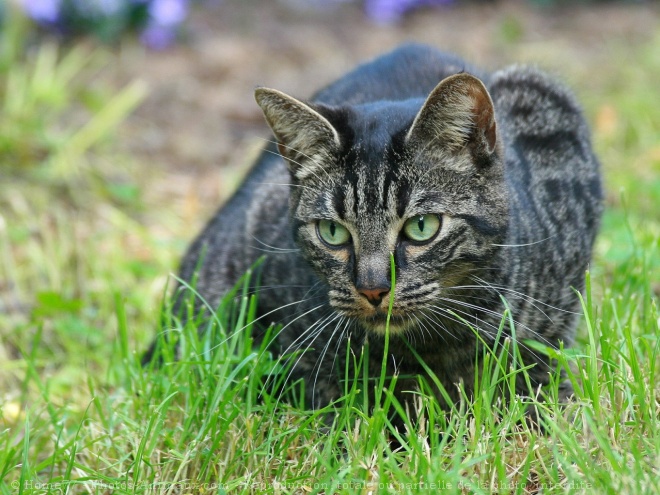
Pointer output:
x,y
420,224
333,229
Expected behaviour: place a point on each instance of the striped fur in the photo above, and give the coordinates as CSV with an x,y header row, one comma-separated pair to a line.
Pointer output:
x,y
504,160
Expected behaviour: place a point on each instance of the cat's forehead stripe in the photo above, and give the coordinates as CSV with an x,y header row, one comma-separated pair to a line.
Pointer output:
x,y
339,200
370,192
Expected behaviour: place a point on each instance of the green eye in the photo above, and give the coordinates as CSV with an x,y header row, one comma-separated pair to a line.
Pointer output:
x,y
421,228
332,233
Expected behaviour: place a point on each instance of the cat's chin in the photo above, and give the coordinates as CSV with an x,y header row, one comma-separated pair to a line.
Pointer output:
x,y
379,325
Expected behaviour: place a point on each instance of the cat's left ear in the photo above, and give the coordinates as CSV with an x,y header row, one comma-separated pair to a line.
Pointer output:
x,y
304,136
458,113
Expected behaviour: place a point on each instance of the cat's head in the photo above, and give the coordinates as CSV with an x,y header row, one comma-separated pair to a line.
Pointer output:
x,y
417,181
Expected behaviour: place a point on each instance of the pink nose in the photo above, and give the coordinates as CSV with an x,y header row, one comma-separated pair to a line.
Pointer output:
x,y
375,296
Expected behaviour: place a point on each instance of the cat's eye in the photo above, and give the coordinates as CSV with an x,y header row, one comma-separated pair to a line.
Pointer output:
x,y
421,228
332,233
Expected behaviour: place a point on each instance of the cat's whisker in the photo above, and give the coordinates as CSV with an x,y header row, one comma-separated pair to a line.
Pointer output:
x,y
519,324
423,326
305,339
302,336
319,362
254,320
489,312
342,338
300,341
462,318
465,304
272,249
263,288
498,289
534,243
531,301
492,335
436,318
257,319
486,334
523,296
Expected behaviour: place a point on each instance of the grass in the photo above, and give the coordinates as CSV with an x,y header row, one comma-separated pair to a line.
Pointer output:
x,y
82,277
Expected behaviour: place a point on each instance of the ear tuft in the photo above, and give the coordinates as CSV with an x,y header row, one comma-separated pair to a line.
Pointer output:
x,y
303,135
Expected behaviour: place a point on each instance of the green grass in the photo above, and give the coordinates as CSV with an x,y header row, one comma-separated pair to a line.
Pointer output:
x,y
82,276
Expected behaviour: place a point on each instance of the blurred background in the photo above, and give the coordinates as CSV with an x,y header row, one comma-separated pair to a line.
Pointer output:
x,y
125,123
200,113
199,61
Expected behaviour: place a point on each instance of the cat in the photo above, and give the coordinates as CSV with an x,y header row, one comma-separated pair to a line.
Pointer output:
x,y
481,187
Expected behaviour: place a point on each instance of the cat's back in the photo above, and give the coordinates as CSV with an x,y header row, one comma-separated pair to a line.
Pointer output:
x,y
555,190
409,71
547,144
541,122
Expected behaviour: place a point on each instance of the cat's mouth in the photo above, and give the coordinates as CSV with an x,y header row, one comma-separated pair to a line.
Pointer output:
x,y
379,324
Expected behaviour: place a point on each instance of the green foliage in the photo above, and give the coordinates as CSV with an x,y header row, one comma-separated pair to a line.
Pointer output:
x,y
209,420
51,115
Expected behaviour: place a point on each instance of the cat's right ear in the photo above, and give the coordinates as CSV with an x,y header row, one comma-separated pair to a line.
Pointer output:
x,y
458,113
304,136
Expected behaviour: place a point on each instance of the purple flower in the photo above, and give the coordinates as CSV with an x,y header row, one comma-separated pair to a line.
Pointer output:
x,y
42,11
168,12
164,18
158,37
108,18
390,11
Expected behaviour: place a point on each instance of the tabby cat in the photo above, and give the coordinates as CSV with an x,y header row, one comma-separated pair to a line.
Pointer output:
x,y
482,188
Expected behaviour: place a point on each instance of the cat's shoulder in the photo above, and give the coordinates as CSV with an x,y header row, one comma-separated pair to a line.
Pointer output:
x,y
411,70
415,55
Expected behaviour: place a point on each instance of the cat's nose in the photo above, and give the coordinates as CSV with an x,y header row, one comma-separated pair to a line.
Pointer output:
x,y
374,296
